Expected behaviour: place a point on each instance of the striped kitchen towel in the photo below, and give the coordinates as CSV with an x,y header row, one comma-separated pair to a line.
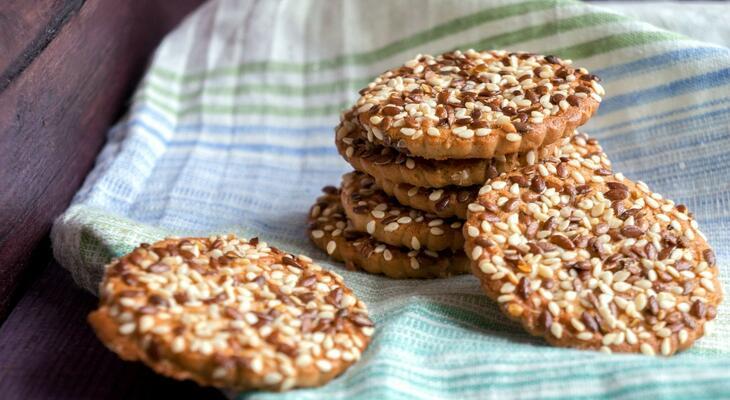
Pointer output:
x,y
231,130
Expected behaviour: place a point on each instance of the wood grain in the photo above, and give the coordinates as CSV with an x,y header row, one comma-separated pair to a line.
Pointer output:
x,y
48,351
66,83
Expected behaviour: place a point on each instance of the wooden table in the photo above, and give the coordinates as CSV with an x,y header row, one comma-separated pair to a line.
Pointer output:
x,y
67,68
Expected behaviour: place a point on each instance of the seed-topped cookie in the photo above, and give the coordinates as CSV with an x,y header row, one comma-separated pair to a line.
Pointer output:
x,y
370,210
452,201
384,162
476,104
331,231
590,259
231,313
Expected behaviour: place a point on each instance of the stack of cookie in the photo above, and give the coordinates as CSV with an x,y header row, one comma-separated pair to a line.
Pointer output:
x,y
576,253
425,136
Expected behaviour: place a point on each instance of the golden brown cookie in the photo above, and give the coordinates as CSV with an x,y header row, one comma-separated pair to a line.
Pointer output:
x,y
452,201
592,260
371,211
383,162
330,230
476,104
231,313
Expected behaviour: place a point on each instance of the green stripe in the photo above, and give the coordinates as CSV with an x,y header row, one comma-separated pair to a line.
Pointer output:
x,y
496,41
615,42
439,31
586,49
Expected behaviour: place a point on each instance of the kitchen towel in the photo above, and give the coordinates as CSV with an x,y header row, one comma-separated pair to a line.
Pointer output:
x,y
231,130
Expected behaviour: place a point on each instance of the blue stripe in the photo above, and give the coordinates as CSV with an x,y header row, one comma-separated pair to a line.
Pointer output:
x,y
626,123
673,89
660,61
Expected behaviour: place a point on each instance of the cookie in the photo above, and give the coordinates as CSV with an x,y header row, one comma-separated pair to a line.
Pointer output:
x,y
452,201
330,230
383,162
592,260
230,313
371,211
476,104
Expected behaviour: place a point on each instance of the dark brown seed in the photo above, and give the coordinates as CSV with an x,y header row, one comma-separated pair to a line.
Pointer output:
x,y
549,224
308,281
573,100
360,210
689,321
682,265
631,231
326,189
546,246
511,205
617,186
557,98
531,230
463,121
490,217
618,208
546,319
562,241
479,124
509,111
523,288
361,320
711,312
674,317
709,256
521,126
232,313
603,172
464,196
443,203
443,97
665,253
582,189
484,242
520,180
589,321
688,287
538,184
390,110
562,170
157,300
698,309
650,251
411,122
653,306
492,171
616,194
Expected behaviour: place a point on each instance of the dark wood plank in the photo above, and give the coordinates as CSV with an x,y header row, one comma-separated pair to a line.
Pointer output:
x,y
48,351
55,111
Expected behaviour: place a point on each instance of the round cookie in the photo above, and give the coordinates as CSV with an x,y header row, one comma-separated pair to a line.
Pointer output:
x,y
444,202
476,104
370,210
330,230
230,313
592,260
452,201
383,162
